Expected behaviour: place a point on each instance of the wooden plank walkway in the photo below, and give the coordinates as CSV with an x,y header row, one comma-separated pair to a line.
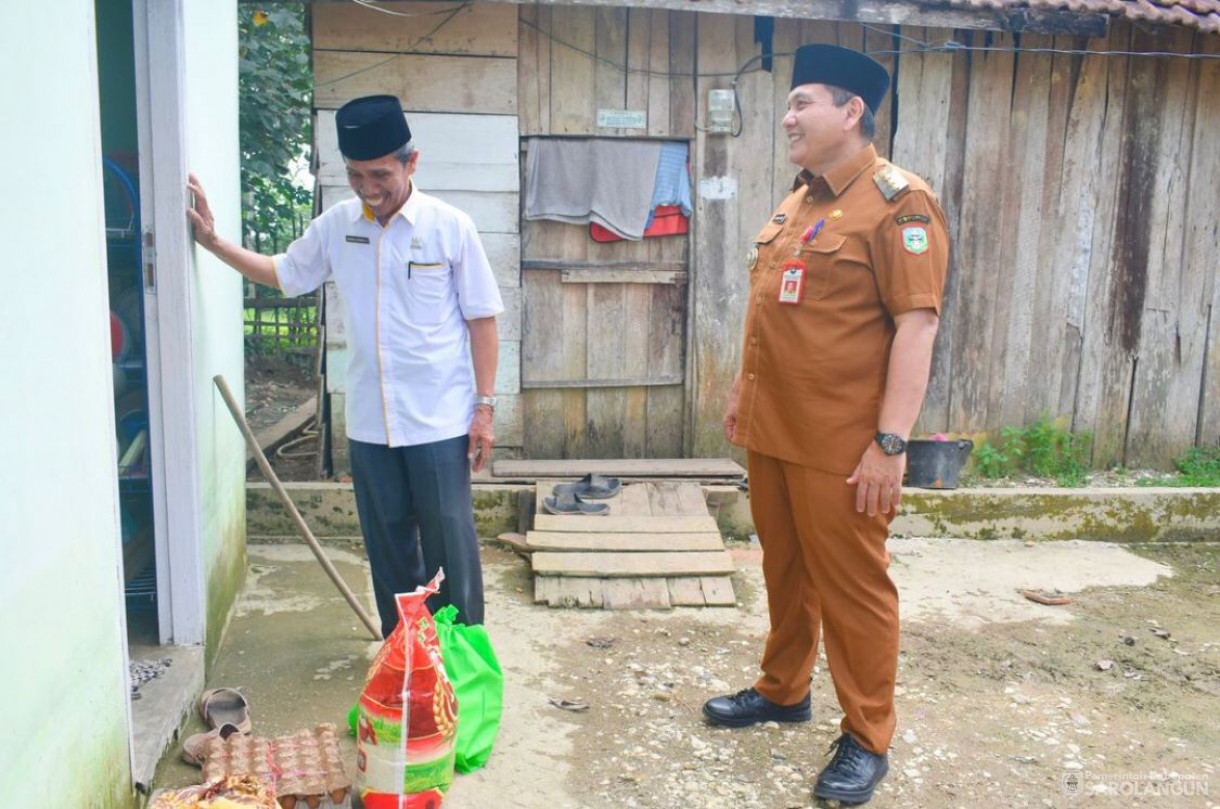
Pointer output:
x,y
656,547
693,469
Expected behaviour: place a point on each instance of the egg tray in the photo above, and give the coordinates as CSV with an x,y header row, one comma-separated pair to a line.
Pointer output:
x,y
306,767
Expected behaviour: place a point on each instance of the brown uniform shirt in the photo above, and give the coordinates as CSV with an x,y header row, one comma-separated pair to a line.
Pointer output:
x,y
813,373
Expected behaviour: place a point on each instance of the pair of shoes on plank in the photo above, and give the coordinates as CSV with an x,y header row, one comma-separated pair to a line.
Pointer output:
x,y
572,498
227,711
591,487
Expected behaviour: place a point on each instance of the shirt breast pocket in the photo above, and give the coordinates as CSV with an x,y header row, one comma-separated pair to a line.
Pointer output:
x,y
763,247
427,291
821,257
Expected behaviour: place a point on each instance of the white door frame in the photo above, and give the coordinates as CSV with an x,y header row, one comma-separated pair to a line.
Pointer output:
x,y
167,276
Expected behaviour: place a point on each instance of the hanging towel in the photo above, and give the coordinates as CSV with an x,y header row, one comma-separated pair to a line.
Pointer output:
x,y
582,180
673,177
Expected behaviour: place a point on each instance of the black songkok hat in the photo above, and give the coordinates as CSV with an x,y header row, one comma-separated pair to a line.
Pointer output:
x,y
371,127
841,67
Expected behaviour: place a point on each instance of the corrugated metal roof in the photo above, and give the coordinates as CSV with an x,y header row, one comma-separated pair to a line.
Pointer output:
x,y
1201,14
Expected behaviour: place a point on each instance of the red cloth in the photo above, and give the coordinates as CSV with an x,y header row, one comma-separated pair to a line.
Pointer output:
x,y
667,220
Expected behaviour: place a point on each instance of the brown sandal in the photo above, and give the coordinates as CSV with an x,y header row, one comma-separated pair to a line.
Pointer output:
x,y
195,748
225,706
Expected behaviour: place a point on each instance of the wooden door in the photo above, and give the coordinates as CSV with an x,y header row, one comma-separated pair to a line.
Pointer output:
x,y
603,344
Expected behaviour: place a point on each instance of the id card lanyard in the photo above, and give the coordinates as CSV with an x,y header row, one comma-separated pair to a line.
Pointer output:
x,y
792,281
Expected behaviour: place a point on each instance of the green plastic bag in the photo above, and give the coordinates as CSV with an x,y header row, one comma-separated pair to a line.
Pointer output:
x,y
478,684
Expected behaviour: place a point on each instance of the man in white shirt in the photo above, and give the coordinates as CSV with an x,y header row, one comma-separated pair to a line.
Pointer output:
x,y
420,305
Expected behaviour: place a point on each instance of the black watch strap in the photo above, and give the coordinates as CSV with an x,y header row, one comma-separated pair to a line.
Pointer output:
x,y
891,443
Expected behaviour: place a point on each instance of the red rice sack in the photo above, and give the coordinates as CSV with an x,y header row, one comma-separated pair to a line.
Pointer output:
x,y
405,758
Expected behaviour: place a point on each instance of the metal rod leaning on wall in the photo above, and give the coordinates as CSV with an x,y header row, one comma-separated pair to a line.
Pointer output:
x,y
265,468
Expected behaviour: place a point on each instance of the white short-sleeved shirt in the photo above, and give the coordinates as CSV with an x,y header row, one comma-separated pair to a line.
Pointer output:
x,y
407,290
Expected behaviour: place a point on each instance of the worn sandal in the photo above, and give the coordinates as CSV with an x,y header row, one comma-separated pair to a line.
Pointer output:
x,y
195,748
566,503
591,487
225,706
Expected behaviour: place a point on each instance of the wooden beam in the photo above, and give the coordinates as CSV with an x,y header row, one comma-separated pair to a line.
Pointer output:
x,y
624,525
636,594
877,13
623,277
620,467
623,543
566,265
477,29
424,82
629,382
633,565
270,437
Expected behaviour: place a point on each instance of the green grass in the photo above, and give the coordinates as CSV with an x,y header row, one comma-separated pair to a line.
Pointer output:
x,y
1200,466
281,328
1042,449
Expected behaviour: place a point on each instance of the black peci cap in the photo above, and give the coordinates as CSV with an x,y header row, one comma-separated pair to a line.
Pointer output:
x,y
371,127
841,67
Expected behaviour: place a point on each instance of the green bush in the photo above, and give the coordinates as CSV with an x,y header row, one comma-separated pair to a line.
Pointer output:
x,y
990,461
1042,449
1200,466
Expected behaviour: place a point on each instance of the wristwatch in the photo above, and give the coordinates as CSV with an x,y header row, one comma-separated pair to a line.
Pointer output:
x,y
490,401
891,443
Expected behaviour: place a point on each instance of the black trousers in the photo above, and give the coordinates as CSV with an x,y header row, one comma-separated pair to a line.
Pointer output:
x,y
417,516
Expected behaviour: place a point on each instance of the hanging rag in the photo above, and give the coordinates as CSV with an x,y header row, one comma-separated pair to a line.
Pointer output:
x,y
583,180
673,178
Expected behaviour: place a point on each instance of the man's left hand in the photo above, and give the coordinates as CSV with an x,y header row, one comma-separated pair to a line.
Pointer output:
x,y
878,480
482,437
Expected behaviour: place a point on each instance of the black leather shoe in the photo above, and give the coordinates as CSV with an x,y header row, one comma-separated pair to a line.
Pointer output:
x,y
750,707
853,774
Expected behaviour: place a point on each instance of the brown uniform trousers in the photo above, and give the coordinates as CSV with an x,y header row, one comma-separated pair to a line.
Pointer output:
x,y
826,569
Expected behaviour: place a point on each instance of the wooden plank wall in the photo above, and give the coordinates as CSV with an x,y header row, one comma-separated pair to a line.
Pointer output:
x,y
455,69
1081,194
1080,191
580,325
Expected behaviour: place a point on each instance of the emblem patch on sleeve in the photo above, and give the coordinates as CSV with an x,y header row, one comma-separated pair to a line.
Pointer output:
x,y
915,240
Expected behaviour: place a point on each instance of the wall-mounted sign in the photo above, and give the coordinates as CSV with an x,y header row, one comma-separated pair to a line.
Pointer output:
x,y
622,119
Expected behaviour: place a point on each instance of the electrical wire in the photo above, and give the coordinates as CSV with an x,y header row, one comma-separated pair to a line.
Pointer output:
x,y
923,46
450,15
372,5
625,68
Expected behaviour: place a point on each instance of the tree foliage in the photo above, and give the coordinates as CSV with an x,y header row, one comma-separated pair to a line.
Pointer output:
x,y
274,85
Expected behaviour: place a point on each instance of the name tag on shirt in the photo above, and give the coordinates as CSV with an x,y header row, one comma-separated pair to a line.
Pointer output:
x,y
792,282
358,239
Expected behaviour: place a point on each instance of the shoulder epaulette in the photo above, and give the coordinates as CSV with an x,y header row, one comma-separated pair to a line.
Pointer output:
x,y
891,183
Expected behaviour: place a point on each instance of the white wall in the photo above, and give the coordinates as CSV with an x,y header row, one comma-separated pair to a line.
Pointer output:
x,y
63,716
210,30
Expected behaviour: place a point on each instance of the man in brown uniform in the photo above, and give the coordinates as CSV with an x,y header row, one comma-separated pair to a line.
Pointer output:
x,y
846,283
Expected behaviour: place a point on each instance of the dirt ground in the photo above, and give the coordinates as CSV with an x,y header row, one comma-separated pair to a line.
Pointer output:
x,y
274,388
1002,702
